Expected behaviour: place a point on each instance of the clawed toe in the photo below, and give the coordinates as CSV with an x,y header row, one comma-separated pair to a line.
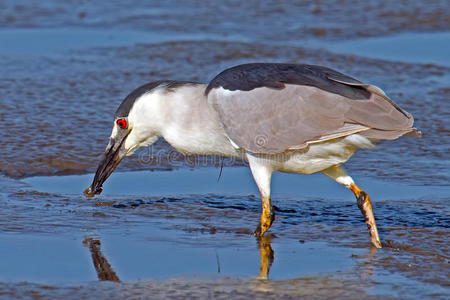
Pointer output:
x,y
257,231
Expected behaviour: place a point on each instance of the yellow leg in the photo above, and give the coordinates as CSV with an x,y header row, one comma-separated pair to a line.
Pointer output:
x,y
267,217
365,206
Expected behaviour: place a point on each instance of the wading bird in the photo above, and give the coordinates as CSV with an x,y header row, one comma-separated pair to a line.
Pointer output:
x,y
291,118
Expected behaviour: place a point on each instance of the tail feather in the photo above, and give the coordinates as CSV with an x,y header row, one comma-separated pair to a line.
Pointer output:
x,y
379,134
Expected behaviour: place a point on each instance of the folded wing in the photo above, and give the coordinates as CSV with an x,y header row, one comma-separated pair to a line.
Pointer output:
x,y
272,112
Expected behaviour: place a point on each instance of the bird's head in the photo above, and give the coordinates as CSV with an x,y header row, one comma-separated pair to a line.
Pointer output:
x,y
125,138
135,125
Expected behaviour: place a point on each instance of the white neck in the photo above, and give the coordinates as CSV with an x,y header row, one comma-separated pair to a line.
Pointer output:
x,y
186,121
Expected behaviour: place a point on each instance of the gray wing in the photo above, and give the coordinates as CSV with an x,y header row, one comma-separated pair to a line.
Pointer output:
x,y
272,120
247,77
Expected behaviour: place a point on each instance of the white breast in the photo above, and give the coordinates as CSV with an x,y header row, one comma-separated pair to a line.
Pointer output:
x,y
318,156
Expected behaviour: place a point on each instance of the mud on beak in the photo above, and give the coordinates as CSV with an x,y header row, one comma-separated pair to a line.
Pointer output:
x,y
114,153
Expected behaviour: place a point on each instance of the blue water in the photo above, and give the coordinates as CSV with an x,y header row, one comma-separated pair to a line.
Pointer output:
x,y
409,47
150,255
234,180
59,41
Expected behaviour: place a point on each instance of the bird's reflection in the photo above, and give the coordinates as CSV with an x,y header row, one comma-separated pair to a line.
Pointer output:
x,y
101,264
267,255
106,272
367,272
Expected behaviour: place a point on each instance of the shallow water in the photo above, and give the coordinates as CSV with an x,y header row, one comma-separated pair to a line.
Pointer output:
x,y
405,47
184,225
232,181
61,41
62,259
167,233
431,48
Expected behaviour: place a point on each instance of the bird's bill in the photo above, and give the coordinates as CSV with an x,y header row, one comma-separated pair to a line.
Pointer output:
x,y
114,153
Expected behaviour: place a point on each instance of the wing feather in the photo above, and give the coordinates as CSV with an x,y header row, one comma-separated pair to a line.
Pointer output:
x,y
267,120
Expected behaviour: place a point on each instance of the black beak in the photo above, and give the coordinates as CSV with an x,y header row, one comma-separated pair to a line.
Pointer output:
x,y
114,153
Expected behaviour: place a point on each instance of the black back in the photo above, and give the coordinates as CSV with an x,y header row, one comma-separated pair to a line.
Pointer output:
x,y
124,108
274,75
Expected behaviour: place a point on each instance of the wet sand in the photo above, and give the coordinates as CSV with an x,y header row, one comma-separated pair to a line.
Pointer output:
x,y
174,232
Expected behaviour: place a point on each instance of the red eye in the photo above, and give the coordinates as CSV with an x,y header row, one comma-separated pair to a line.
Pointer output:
x,y
122,123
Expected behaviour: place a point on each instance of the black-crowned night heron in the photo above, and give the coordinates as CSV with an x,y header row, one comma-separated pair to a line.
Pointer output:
x,y
280,117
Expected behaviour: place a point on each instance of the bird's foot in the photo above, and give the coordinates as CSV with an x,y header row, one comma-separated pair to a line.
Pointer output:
x,y
363,201
267,218
257,231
